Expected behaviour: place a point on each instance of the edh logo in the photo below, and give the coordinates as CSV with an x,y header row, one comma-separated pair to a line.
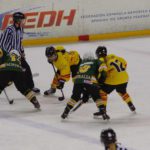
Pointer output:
x,y
41,19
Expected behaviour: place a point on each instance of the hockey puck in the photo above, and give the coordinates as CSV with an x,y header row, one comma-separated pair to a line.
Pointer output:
x,y
61,98
11,102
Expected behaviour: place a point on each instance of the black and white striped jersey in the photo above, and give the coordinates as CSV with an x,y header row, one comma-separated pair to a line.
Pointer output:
x,y
11,38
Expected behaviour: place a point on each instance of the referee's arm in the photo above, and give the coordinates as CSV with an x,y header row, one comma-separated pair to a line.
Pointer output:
x,y
6,42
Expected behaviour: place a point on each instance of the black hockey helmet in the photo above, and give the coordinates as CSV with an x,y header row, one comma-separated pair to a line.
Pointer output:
x,y
50,53
101,51
108,136
50,50
18,17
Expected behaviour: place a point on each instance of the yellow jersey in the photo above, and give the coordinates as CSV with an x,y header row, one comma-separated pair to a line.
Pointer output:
x,y
64,62
116,70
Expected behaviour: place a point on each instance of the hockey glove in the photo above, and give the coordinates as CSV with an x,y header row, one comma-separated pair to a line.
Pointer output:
x,y
60,84
50,62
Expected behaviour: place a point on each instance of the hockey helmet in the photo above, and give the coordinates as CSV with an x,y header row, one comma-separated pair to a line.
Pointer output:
x,y
88,56
50,53
18,17
59,47
15,54
101,51
108,136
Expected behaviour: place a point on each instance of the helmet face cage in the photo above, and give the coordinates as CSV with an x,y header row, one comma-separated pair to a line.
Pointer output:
x,y
108,136
101,51
50,53
18,17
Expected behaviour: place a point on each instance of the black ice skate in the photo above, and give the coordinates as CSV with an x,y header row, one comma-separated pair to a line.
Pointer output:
x,y
36,90
101,114
64,116
35,103
97,114
50,91
105,116
131,106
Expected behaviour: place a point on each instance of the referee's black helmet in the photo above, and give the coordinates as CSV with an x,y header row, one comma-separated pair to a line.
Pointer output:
x,y
18,17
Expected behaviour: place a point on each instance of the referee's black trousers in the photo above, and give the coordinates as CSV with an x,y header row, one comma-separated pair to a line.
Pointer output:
x,y
27,74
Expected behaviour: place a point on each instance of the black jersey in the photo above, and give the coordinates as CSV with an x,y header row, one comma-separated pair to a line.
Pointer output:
x,y
10,62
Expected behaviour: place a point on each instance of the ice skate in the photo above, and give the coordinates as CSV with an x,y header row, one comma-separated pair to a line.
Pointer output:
x,y
50,91
35,102
36,90
64,115
131,106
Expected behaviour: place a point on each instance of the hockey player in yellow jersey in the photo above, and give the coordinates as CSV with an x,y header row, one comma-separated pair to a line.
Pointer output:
x,y
117,77
67,64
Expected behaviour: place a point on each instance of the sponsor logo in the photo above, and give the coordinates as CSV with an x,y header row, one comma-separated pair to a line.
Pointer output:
x,y
41,19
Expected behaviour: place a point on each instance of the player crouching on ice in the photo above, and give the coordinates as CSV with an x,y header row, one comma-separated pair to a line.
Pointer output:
x,y
67,63
90,71
11,71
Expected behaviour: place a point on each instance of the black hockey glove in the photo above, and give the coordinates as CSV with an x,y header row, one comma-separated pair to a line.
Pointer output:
x,y
49,61
60,84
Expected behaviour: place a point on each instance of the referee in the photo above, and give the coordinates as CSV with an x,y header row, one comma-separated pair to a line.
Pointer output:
x,y
11,39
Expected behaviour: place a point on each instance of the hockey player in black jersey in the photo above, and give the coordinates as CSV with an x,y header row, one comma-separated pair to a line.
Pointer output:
x,y
11,38
12,71
90,71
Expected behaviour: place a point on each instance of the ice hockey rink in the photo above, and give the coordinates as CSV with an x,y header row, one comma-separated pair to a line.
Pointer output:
x,y
24,128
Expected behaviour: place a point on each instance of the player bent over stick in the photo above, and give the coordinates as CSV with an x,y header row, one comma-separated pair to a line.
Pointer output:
x,y
11,71
86,79
67,64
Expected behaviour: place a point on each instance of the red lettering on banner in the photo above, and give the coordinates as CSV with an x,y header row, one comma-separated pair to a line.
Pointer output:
x,y
43,19
43,15
59,17
7,20
31,20
69,18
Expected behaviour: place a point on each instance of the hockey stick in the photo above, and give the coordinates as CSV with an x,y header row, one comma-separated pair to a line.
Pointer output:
x,y
11,101
77,106
8,99
62,97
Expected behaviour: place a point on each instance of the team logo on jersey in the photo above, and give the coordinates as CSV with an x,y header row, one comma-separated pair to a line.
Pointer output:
x,y
84,68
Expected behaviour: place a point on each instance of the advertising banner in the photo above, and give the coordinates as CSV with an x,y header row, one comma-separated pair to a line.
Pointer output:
x,y
62,18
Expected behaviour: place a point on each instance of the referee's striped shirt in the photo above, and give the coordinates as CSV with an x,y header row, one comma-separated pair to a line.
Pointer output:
x,y
11,38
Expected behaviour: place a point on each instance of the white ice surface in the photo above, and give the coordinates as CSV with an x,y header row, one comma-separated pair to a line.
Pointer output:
x,y
23,128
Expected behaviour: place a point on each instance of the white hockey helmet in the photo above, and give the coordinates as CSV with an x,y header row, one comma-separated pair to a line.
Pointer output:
x,y
14,52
